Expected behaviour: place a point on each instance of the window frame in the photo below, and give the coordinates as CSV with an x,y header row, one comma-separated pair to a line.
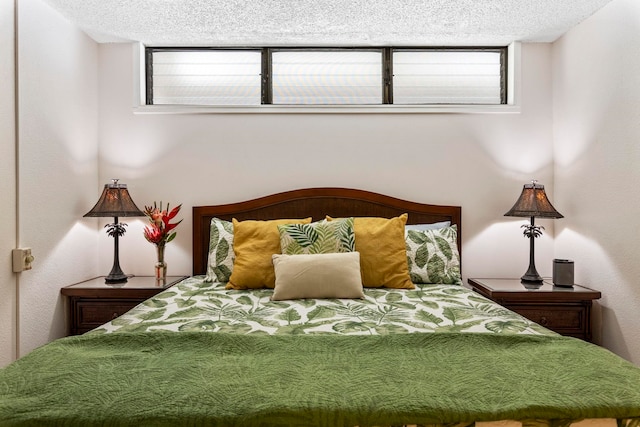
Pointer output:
x,y
386,82
148,64
381,50
504,59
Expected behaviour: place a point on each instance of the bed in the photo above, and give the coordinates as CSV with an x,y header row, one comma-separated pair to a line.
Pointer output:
x,y
216,349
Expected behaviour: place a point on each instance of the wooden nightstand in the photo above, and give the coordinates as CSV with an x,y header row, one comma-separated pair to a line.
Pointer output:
x,y
93,303
566,310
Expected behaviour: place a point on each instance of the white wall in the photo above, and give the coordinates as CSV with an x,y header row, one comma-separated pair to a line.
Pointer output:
x,y
596,88
7,183
58,139
480,161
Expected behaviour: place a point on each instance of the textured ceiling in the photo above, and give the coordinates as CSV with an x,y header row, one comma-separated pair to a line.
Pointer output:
x,y
326,22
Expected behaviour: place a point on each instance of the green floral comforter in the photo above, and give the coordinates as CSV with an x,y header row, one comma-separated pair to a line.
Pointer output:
x,y
195,305
192,379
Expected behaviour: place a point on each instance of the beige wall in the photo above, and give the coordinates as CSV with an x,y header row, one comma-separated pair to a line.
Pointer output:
x,y
596,103
7,183
58,138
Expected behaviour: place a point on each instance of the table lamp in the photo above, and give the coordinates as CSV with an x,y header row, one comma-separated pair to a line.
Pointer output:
x,y
115,201
533,202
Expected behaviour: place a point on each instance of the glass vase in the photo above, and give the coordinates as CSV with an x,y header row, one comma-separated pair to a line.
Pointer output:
x,y
161,266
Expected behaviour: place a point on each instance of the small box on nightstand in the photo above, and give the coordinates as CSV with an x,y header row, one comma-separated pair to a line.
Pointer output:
x,y
562,272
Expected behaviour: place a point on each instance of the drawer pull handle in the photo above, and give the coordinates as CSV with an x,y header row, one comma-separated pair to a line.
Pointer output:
x,y
114,315
543,321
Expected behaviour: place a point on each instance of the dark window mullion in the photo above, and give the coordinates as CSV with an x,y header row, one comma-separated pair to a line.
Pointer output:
x,y
503,75
267,85
149,75
387,76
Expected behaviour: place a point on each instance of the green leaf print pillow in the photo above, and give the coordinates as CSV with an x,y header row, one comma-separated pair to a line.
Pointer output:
x,y
221,257
433,255
322,237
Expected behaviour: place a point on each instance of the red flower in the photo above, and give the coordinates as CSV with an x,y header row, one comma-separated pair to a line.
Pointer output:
x,y
160,231
153,234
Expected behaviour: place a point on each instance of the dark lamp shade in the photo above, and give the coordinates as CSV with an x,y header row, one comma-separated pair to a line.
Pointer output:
x,y
533,202
115,201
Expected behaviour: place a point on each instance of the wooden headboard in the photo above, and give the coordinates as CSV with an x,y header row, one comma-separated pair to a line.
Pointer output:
x,y
315,203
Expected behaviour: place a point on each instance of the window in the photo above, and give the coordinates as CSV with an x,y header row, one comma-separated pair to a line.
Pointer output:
x,y
447,77
204,77
326,76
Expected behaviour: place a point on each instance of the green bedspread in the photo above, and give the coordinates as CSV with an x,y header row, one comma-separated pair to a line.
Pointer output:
x,y
190,378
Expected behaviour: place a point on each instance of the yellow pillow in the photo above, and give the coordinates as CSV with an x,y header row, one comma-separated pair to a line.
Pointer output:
x,y
383,254
253,244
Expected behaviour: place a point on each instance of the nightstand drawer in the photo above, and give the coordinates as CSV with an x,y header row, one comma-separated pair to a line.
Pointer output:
x,y
563,319
94,313
565,310
93,303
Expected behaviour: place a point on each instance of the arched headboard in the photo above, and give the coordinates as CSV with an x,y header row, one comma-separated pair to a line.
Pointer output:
x,y
315,203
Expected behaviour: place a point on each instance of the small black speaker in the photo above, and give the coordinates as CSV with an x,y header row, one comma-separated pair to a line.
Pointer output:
x,y
563,272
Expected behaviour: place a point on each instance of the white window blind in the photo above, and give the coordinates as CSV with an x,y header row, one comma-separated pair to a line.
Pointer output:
x,y
446,77
207,77
327,77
